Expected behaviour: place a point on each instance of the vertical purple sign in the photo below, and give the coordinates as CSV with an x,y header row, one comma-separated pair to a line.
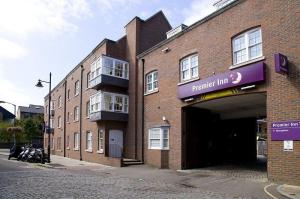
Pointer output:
x,y
287,130
281,64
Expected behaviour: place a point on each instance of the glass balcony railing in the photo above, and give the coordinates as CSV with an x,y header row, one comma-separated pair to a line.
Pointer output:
x,y
109,71
109,106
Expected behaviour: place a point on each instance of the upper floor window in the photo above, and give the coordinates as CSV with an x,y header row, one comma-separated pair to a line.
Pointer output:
x,y
88,78
247,46
52,105
68,117
59,101
88,109
189,68
76,113
76,92
59,122
109,66
151,81
68,94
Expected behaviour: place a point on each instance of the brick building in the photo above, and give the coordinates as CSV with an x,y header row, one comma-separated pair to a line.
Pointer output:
x,y
93,109
188,97
206,87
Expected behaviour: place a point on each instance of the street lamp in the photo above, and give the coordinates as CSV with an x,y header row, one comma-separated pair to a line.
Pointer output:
x,y
15,107
40,85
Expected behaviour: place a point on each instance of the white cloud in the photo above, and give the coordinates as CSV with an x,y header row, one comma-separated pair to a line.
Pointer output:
x,y
111,5
198,10
23,17
10,49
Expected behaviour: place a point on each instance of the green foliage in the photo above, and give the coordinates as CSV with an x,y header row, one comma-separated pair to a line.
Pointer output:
x,y
5,136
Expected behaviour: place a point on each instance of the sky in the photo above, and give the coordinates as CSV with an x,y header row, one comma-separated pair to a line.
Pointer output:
x,y
42,36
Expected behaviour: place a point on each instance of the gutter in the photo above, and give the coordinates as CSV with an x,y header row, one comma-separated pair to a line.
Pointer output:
x,y
143,105
80,114
65,110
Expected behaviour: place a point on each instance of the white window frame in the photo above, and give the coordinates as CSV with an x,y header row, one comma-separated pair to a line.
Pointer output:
x,y
76,91
161,138
51,123
89,141
189,68
88,109
247,47
59,122
76,141
76,113
97,102
101,143
152,82
98,67
52,105
59,102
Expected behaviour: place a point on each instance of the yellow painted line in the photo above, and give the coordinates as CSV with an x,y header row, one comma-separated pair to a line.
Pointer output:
x,y
268,193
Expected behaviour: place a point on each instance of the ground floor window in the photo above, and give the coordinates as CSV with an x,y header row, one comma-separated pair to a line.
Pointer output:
x,y
158,138
89,140
68,142
100,141
76,141
59,143
52,143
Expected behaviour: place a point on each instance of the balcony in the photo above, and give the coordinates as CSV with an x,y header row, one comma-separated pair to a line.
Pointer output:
x,y
109,71
105,106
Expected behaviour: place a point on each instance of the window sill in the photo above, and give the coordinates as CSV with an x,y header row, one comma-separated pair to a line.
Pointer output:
x,y
76,149
59,150
247,62
159,149
68,148
88,117
76,121
100,152
152,92
188,81
76,95
89,150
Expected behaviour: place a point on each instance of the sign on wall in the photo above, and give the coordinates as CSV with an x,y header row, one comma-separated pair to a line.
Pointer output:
x,y
281,64
242,76
287,130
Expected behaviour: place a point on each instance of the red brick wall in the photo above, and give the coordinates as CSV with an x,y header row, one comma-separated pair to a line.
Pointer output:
x,y
279,21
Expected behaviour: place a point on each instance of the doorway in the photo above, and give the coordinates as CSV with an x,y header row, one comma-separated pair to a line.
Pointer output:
x,y
223,131
115,143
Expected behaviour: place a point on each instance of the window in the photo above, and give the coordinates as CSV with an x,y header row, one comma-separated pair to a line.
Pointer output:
x,y
52,105
68,94
76,141
59,102
118,106
109,66
68,117
59,122
68,142
247,46
151,82
89,140
59,143
52,143
100,141
88,78
159,138
51,123
189,68
76,92
88,109
76,113
95,103
46,110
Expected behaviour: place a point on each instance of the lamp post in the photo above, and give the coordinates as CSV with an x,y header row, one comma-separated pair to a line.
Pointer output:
x,y
39,84
15,109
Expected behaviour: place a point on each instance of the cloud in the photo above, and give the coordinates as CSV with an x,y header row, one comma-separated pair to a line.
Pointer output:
x,y
22,17
198,10
10,49
112,5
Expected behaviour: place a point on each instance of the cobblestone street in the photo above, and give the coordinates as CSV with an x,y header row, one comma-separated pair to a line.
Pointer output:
x,y
25,180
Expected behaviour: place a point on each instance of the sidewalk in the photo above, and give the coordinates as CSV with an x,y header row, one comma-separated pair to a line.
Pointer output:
x,y
289,191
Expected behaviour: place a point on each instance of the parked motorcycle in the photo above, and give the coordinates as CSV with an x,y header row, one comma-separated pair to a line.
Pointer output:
x,y
14,152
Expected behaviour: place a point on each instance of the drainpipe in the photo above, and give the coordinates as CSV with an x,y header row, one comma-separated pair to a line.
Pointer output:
x,y
143,105
65,110
80,113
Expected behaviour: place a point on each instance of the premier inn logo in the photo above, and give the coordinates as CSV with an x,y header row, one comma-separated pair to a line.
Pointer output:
x,y
236,77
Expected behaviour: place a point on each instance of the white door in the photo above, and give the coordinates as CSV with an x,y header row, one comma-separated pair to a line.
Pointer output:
x,y
115,143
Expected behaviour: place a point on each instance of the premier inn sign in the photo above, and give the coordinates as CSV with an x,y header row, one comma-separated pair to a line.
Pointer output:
x,y
239,77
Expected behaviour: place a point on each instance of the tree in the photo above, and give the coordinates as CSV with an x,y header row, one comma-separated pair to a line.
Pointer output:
x,y
5,136
32,128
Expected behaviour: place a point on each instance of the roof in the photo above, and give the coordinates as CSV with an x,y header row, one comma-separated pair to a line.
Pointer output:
x,y
38,109
191,27
6,114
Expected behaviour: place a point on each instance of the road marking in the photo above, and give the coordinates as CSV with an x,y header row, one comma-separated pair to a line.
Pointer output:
x,y
266,191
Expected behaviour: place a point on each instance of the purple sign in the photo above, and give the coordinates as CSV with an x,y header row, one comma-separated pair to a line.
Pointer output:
x,y
288,130
281,64
245,75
